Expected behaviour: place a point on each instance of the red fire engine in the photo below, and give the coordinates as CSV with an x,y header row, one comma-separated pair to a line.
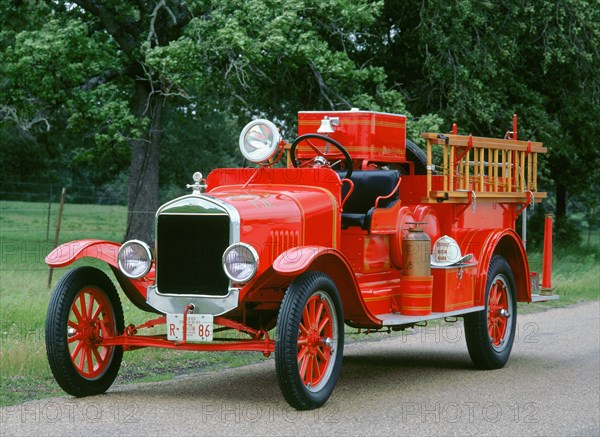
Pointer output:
x,y
362,228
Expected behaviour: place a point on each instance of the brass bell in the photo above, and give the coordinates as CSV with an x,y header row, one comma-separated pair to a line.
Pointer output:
x,y
327,125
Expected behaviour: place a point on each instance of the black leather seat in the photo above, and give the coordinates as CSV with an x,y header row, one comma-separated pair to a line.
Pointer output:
x,y
368,186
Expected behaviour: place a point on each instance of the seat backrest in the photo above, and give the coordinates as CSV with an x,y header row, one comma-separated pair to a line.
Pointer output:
x,y
368,186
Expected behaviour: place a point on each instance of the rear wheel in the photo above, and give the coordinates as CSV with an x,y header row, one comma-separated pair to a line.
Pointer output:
x,y
490,333
414,154
84,308
310,341
418,157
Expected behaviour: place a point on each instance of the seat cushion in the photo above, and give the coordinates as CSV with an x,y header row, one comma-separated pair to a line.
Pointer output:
x,y
368,186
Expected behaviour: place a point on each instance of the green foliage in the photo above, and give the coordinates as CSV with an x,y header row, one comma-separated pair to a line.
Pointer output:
x,y
196,141
46,68
274,57
477,63
56,100
232,61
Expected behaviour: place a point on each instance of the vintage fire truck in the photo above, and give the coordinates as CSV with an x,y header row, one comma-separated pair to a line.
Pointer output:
x,y
361,228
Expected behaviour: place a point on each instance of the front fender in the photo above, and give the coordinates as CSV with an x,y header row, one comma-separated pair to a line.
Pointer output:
x,y
70,252
333,263
107,251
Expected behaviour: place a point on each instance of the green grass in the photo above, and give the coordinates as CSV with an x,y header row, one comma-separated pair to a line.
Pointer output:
x,y
24,296
575,275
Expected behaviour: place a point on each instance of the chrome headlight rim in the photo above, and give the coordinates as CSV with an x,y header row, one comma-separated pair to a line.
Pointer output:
x,y
271,148
254,255
121,255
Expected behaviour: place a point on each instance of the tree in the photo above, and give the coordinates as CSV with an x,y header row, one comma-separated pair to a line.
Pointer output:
x,y
257,57
136,29
50,88
476,63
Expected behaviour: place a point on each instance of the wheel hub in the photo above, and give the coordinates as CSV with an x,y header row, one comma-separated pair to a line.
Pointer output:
x,y
313,339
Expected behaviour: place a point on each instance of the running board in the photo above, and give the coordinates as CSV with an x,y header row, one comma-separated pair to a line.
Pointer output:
x,y
392,319
543,297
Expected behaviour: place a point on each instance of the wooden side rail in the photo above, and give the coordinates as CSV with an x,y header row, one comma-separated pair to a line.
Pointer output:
x,y
483,168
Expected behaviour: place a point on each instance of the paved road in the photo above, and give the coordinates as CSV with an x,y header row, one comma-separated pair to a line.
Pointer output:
x,y
417,384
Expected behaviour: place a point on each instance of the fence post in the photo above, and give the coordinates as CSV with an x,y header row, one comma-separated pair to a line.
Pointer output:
x,y
60,212
49,208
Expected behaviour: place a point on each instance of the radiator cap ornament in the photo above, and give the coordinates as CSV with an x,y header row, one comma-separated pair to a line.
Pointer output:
x,y
199,184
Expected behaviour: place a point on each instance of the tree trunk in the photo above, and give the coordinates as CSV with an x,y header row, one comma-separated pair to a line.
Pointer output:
x,y
561,200
143,172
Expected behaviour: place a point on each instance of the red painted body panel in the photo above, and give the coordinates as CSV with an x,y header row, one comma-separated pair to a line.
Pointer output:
x,y
483,244
381,291
404,217
367,253
370,136
281,209
434,225
298,260
453,289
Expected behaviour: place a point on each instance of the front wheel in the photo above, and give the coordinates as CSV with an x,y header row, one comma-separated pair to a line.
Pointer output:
x,y
490,333
310,341
84,308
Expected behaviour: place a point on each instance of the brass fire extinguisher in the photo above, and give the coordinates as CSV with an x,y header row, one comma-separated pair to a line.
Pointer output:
x,y
416,251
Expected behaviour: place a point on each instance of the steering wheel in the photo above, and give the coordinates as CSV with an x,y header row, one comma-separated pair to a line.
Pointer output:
x,y
321,159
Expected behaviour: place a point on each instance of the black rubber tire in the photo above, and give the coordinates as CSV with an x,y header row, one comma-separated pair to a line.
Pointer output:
x,y
482,351
417,156
57,345
292,386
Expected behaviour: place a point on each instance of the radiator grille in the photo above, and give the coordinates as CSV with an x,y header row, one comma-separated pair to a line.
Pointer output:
x,y
189,251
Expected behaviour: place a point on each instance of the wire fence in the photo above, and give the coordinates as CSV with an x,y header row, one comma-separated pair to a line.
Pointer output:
x,y
51,193
31,224
30,214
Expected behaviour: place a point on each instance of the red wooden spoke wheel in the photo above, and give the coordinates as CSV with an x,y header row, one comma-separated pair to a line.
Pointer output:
x,y
84,309
90,319
499,309
315,341
490,333
310,341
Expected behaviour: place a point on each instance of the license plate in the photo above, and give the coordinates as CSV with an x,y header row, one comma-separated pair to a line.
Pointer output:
x,y
199,327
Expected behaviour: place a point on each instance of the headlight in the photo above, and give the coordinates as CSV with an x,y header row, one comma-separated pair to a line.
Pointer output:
x,y
259,140
135,259
240,262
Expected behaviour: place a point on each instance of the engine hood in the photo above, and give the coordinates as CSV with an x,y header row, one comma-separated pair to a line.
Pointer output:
x,y
274,219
